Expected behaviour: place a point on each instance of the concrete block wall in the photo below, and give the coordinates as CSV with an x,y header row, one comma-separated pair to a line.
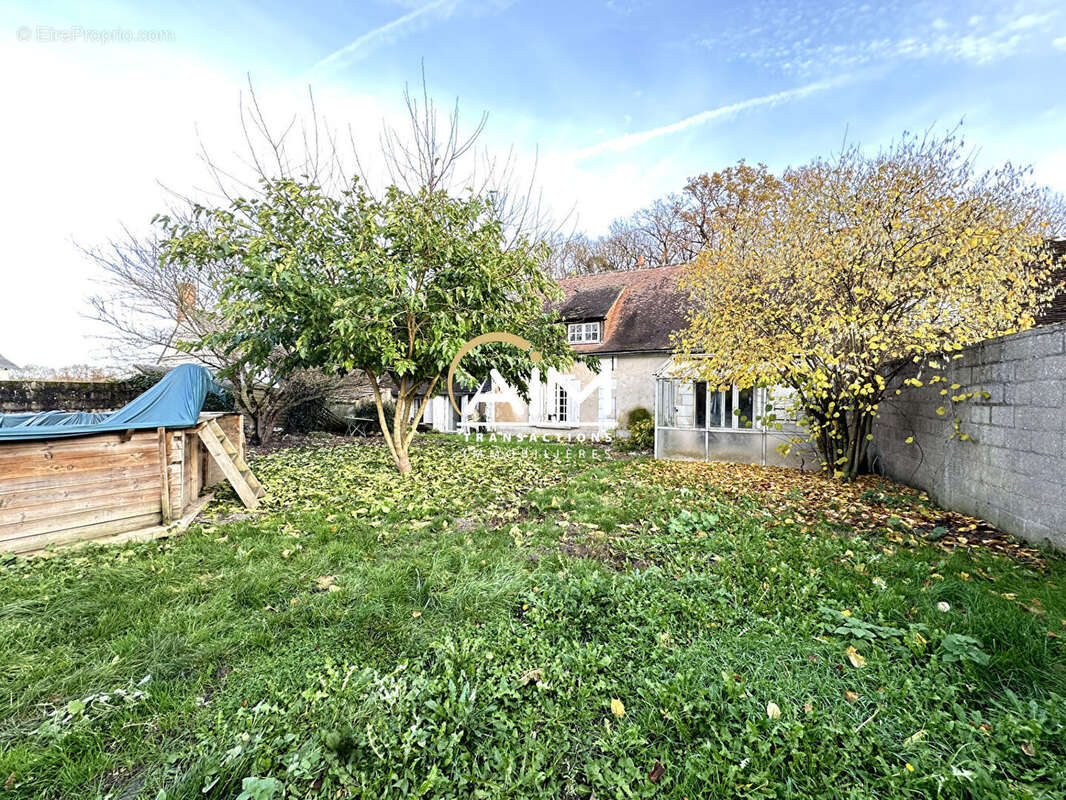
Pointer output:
x,y
1013,473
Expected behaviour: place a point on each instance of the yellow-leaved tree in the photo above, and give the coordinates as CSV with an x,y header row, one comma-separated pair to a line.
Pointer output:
x,y
834,277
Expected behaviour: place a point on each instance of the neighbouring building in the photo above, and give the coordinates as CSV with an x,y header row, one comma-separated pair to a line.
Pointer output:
x,y
7,369
626,320
622,319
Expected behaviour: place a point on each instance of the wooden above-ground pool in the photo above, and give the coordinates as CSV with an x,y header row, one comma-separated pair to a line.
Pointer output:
x,y
137,483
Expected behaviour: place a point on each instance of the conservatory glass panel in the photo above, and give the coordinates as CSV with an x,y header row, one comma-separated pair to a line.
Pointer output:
x,y
717,403
745,408
701,404
666,404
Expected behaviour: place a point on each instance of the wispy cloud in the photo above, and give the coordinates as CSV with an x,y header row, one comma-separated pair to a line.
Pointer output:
x,y
630,140
386,34
1059,43
811,38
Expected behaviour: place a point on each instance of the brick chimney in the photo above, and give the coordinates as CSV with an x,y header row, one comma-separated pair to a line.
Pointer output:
x,y
186,300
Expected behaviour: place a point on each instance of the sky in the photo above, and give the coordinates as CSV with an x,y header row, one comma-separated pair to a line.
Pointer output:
x,y
107,106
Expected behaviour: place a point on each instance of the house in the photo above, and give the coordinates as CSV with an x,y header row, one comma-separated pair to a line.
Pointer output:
x,y
7,369
694,421
622,319
626,320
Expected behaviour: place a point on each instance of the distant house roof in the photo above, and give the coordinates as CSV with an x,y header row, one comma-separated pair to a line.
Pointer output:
x,y
1056,312
640,308
5,364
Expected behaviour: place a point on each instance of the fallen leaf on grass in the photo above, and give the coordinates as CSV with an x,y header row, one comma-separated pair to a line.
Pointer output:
x,y
808,708
325,583
533,676
868,505
1028,749
914,738
856,660
617,708
851,696
772,711
657,772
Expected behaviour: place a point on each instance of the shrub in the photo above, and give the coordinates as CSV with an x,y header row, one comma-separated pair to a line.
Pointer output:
x,y
313,415
642,434
148,377
641,428
638,414
367,411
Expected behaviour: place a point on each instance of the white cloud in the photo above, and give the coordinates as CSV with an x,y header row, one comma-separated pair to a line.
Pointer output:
x,y
1050,169
94,137
1027,21
1059,43
386,34
813,39
630,140
99,132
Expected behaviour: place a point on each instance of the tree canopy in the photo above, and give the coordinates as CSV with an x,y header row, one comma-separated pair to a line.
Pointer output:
x,y
847,270
392,286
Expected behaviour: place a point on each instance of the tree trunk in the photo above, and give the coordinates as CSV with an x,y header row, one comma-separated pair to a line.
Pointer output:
x,y
401,459
851,444
264,428
843,442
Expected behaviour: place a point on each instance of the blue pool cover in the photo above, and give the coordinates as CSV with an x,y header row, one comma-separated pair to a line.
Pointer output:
x,y
174,402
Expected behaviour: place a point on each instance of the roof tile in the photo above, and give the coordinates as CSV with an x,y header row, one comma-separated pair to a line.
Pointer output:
x,y
641,308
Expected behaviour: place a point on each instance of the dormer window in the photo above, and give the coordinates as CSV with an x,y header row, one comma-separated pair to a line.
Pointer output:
x,y
583,332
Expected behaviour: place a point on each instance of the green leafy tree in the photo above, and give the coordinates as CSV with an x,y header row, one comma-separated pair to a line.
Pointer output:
x,y
392,286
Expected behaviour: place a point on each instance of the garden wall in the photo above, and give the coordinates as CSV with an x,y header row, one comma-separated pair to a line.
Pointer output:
x,y
1013,473
31,396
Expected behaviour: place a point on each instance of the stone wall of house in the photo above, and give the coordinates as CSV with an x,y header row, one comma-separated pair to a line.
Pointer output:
x,y
1013,472
31,396
634,383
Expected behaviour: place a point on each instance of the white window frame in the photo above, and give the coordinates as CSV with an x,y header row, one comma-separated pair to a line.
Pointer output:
x,y
583,332
561,404
732,422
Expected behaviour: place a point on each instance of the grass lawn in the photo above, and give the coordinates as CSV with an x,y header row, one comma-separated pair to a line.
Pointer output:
x,y
532,621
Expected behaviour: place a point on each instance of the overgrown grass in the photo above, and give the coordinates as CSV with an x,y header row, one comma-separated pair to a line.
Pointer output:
x,y
463,633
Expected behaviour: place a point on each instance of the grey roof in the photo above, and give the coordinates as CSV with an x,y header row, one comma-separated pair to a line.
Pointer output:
x,y
591,303
5,364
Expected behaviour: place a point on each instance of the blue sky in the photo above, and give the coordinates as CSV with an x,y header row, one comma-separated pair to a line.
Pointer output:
x,y
619,102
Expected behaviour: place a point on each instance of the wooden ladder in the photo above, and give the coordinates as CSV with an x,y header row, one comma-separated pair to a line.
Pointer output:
x,y
233,466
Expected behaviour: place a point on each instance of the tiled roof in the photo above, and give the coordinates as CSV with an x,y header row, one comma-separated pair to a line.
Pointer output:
x,y
640,308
